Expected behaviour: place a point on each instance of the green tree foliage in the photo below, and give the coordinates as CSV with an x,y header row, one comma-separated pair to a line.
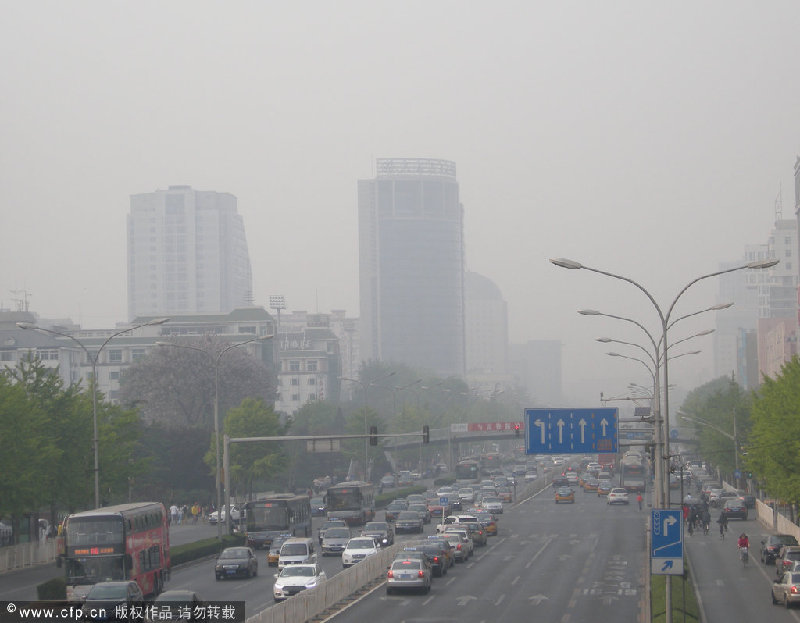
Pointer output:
x,y
719,411
253,461
28,451
315,419
773,450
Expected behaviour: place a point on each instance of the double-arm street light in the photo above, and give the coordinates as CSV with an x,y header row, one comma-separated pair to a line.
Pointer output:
x,y
93,359
665,326
216,360
364,387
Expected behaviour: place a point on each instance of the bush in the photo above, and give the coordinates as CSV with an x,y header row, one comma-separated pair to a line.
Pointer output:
x,y
200,549
52,590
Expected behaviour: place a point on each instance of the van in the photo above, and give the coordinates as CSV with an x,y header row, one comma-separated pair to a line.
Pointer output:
x,y
296,551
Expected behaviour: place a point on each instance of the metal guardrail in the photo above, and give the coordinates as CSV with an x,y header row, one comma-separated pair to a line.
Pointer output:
x,y
312,602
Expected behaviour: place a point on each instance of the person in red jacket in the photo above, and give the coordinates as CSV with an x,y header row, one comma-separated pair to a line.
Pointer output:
x,y
743,541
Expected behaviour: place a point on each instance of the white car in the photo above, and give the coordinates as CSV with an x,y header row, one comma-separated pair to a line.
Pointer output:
x,y
618,495
296,578
493,505
357,549
236,514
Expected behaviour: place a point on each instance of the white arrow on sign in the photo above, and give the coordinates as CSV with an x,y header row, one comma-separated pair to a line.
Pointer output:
x,y
541,426
667,523
537,599
604,423
560,425
582,424
465,599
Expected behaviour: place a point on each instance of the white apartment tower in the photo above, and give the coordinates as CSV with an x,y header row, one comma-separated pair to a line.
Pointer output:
x,y
187,254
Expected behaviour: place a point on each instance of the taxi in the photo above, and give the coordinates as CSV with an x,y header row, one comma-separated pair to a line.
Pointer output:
x,y
565,494
488,522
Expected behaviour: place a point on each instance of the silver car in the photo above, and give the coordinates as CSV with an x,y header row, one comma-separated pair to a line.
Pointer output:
x,y
408,574
334,541
786,590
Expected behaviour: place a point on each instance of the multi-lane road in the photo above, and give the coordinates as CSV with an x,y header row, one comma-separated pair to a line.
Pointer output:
x,y
557,562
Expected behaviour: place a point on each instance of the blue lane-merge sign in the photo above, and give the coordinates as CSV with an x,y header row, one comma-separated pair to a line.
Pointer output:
x,y
571,431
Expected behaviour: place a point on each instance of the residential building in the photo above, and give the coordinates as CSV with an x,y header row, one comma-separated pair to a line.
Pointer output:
x,y
187,254
411,265
116,349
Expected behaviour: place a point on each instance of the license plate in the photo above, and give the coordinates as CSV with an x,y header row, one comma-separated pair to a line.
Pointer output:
x,y
231,571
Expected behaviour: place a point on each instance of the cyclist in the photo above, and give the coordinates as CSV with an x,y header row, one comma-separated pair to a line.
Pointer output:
x,y
705,518
743,544
723,525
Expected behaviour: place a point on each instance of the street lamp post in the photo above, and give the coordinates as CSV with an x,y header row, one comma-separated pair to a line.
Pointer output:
x,y
665,325
93,359
216,360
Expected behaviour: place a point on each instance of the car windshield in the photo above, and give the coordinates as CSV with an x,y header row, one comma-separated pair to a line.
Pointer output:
x,y
235,552
376,526
795,578
408,515
337,533
294,549
406,564
361,544
296,570
108,591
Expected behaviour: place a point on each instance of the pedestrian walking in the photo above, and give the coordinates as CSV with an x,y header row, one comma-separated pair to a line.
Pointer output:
x,y
639,501
173,513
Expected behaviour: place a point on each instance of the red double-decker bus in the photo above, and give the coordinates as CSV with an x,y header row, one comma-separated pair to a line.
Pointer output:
x,y
123,542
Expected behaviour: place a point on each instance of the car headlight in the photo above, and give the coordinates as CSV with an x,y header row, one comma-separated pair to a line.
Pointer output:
x,y
311,584
385,541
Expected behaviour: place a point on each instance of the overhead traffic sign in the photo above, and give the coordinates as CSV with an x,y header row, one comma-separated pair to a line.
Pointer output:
x,y
666,543
571,431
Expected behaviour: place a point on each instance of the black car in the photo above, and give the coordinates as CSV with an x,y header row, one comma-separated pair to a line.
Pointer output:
x,y
318,507
104,598
435,553
394,509
735,509
770,546
381,531
174,603
236,561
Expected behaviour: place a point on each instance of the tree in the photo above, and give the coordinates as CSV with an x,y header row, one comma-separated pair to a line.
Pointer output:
x,y
253,461
176,385
773,449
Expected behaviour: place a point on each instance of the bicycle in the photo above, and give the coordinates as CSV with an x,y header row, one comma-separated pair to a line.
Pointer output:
x,y
744,555
705,528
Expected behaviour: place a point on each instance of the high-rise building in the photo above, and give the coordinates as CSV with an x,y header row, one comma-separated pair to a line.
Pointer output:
x,y
486,322
187,254
411,265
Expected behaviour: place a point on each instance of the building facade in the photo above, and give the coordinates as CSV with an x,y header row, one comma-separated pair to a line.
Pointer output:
x,y
411,265
187,254
486,330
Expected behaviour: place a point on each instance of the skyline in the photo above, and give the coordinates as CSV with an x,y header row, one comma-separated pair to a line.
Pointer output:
x,y
640,140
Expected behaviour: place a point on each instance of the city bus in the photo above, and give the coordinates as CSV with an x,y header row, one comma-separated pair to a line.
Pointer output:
x,y
123,542
353,501
468,470
274,515
491,462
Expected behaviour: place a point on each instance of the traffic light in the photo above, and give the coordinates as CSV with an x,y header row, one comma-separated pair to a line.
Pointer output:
x,y
426,433
373,435
516,429
749,474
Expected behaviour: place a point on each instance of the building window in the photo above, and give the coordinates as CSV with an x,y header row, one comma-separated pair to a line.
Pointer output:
x,y
296,397
312,396
295,381
115,356
6,356
138,353
311,366
113,376
312,381
294,366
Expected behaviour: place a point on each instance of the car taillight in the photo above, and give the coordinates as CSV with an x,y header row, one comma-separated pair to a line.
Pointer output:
x,y
794,590
435,559
390,574
459,546
421,574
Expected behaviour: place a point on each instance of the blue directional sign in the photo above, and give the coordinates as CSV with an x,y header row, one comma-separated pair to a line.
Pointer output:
x,y
570,431
666,543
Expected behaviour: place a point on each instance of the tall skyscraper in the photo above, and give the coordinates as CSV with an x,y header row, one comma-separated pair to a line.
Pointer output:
x,y
187,253
411,265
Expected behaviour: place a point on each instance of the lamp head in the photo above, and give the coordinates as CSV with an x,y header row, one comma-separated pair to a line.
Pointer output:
x,y
26,325
565,263
759,264
589,312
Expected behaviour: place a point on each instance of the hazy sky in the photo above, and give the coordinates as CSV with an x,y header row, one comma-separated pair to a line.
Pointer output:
x,y
647,140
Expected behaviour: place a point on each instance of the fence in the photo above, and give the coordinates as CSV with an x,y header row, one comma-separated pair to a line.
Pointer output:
x,y
27,554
